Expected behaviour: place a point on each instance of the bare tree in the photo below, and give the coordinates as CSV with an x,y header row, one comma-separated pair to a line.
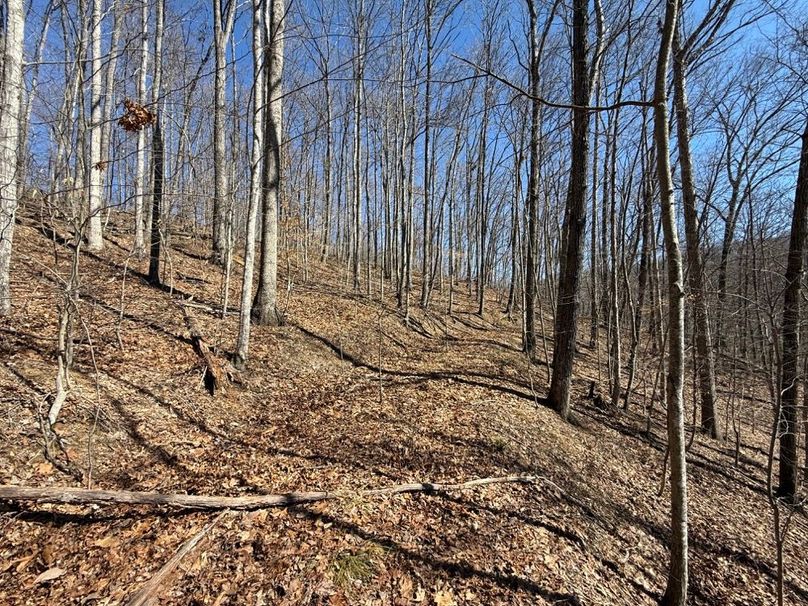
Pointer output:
x,y
265,306
787,422
223,19
156,212
584,71
11,43
676,589
95,238
256,161
140,170
704,346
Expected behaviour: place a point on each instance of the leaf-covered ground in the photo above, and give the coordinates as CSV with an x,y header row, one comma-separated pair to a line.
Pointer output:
x,y
346,396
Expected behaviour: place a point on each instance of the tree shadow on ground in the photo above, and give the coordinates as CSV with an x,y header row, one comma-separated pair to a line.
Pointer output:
x,y
468,378
457,568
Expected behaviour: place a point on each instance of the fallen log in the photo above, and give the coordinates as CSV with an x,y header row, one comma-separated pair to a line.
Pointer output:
x,y
214,374
149,591
84,496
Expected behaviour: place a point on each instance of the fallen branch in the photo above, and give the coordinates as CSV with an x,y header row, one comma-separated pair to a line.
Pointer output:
x,y
148,592
214,375
82,496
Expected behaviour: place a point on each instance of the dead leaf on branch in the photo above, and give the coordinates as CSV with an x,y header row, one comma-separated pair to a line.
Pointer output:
x,y
136,117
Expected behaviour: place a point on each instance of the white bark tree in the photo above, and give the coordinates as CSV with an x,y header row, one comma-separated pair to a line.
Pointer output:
x,y
256,153
11,43
93,170
140,170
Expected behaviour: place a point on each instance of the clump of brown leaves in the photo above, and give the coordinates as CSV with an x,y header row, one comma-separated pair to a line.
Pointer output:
x,y
136,117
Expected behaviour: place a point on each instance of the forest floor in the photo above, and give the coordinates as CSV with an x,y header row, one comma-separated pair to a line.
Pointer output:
x,y
345,396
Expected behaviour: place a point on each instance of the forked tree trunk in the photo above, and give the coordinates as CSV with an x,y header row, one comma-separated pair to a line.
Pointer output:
x,y
11,45
676,589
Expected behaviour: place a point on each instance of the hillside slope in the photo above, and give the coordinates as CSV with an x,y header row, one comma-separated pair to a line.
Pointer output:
x,y
345,396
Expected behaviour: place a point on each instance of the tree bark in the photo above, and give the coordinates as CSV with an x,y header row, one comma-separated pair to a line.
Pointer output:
x,y
11,43
532,218
265,309
157,204
704,346
223,18
256,153
427,242
676,589
787,424
140,167
95,238
574,229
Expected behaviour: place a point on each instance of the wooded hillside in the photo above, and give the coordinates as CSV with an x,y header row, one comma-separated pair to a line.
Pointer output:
x,y
403,302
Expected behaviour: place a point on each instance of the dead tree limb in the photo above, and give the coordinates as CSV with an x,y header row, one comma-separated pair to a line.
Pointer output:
x,y
82,496
214,374
149,591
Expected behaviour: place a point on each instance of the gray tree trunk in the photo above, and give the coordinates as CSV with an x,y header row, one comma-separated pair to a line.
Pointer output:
x,y
265,310
574,229
676,590
109,85
704,346
222,28
243,343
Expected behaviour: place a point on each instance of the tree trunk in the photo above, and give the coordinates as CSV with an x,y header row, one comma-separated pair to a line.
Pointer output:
x,y
356,218
787,424
704,353
427,242
574,229
222,27
157,204
676,590
95,238
11,44
140,169
243,343
109,90
531,264
265,310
